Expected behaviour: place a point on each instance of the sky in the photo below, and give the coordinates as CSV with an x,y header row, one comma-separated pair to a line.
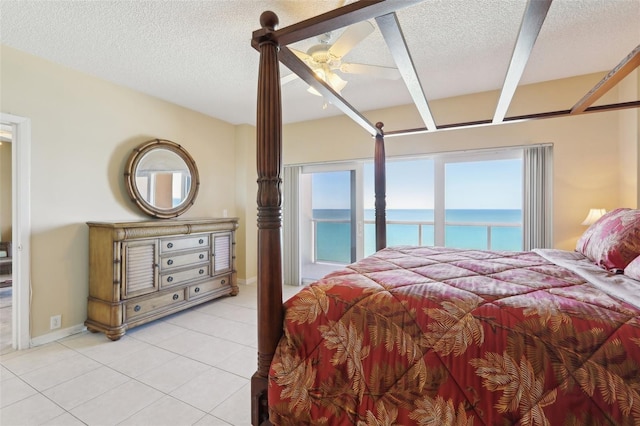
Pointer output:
x,y
493,184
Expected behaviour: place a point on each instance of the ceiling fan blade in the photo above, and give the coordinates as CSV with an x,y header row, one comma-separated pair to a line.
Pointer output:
x,y
350,38
389,73
288,78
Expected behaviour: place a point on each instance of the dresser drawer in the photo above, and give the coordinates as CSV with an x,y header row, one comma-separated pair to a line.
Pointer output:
x,y
176,260
182,276
169,245
142,307
207,287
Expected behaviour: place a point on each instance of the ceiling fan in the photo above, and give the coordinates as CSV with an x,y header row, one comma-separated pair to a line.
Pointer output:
x,y
325,58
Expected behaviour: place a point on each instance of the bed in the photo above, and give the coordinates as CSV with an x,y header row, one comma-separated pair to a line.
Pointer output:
x,y
439,336
432,335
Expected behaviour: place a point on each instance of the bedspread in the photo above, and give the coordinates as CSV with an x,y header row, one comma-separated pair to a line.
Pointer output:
x,y
436,336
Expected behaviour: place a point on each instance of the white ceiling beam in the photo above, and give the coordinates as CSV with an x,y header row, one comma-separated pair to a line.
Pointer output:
x,y
393,36
534,16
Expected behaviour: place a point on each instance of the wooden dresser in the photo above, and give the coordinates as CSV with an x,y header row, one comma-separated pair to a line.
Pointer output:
x,y
141,271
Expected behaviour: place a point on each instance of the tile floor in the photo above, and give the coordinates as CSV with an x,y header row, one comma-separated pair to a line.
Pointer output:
x,y
192,368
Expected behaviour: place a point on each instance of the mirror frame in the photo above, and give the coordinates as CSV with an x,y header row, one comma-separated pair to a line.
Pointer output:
x,y
130,178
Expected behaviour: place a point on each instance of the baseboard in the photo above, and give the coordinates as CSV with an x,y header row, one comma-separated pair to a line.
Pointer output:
x,y
248,281
57,335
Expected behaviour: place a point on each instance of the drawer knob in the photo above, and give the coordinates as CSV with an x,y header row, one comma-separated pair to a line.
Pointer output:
x,y
223,282
201,241
169,279
137,308
170,245
201,271
196,290
175,297
201,256
170,262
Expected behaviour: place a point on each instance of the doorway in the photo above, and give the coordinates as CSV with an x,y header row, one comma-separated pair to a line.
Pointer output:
x,y
20,227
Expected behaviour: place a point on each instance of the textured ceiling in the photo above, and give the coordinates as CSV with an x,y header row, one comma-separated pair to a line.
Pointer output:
x,y
198,53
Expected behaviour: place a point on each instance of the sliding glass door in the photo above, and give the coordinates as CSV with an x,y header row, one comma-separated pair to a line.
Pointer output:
x,y
329,212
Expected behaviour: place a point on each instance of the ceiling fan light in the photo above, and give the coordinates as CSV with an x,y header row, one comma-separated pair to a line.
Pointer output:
x,y
334,81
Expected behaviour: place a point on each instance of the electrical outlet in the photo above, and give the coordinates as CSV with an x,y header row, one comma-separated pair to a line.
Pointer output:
x,y
55,322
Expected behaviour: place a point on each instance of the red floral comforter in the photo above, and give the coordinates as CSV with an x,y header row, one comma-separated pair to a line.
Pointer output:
x,y
435,336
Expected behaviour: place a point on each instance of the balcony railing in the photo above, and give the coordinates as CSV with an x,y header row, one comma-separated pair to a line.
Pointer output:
x,y
335,245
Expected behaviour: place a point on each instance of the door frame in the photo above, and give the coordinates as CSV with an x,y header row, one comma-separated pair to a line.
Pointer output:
x,y
21,228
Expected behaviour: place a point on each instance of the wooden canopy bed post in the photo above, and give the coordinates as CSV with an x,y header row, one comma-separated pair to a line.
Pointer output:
x,y
380,189
269,165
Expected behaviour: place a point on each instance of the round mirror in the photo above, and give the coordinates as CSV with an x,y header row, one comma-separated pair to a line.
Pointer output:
x,y
162,178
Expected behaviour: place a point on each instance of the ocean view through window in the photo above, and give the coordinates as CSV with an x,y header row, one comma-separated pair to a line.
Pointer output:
x,y
462,201
495,229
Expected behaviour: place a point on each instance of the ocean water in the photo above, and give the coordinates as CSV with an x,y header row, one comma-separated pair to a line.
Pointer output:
x,y
333,239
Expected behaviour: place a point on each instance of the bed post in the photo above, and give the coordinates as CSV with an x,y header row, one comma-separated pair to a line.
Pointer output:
x,y
380,189
269,165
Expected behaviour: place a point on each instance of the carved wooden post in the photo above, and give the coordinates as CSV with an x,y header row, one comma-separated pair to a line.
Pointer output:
x,y
269,164
380,189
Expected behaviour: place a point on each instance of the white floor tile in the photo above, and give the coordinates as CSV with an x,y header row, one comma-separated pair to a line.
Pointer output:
x,y
83,388
139,362
14,390
243,363
22,362
155,331
167,411
5,374
60,371
65,419
34,410
197,321
234,331
210,420
247,297
110,351
231,311
116,405
173,374
185,342
237,408
209,389
213,350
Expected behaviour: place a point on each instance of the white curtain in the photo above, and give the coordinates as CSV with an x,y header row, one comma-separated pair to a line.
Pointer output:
x,y
290,228
538,196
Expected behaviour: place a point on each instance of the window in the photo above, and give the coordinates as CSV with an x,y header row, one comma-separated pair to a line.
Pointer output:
x,y
470,200
452,200
483,204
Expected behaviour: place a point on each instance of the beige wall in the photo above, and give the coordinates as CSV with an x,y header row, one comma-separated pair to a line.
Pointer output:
x,y
629,153
246,207
83,130
5,192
